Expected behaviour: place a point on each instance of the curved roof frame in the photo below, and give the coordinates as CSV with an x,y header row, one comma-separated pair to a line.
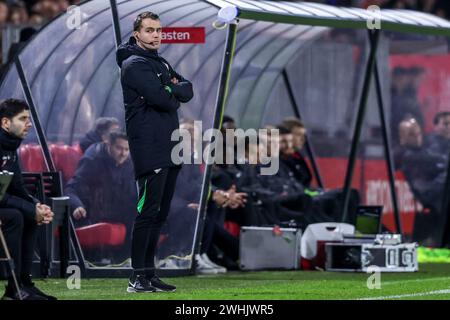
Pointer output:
x,y
314,14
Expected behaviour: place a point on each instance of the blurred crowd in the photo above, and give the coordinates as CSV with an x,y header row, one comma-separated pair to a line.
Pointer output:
x,y
438,7
31,12
37,12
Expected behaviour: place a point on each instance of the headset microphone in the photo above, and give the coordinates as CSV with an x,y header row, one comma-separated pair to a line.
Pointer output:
x,y
147,43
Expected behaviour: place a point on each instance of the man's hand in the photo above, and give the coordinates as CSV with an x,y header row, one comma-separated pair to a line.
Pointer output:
x,y
236,199
220,197
230,198
174,80
44,214
194,206
79,213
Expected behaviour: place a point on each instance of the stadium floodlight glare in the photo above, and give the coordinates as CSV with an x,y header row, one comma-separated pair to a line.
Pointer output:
x,y
225,16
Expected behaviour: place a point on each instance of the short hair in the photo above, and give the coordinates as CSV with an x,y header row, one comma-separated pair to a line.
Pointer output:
x,y
137,25
439,116
226,119
291,122
10,108
103,124
283,130
115,135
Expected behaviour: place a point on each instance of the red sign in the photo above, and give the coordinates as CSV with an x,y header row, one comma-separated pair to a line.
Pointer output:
x,y
183,35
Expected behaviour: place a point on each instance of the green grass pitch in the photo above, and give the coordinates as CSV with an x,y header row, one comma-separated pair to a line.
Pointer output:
x,y
431,282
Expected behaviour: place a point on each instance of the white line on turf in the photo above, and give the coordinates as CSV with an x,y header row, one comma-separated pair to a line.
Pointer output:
x,y
414,280
412,295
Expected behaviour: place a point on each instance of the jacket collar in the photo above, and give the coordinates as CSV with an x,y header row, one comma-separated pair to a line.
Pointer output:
x,y
8,141
131,48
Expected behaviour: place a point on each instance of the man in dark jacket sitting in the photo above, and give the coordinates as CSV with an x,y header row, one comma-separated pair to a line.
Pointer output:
x,y
20,213
152,93
103,188
439,140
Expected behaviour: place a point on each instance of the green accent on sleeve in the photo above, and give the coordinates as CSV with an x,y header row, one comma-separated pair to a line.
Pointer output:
x,y
141,202
311,193
168,89
209,193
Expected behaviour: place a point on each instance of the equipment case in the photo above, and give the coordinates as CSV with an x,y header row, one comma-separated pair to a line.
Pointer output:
x,y
269,248
361,256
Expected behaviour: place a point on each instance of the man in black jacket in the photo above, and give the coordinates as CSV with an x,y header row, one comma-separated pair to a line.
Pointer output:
x,y
152,93
103,190
20,213
439,141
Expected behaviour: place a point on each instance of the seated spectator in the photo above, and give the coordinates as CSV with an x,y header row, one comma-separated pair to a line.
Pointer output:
x,y
219,247
18,14
424,170
283,197
100,133
181,222
296,161
439,140
404,100
25,35
4,12
183,216
103,188
47,9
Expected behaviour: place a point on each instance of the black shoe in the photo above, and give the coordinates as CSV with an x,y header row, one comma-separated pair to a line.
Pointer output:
x,y
161,286
32,289
140,284
12,294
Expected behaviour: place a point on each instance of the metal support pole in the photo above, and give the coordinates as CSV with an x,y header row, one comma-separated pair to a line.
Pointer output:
x,y
374,36
387,150
297,113
60,207
222,95
116,22
35,116
10,262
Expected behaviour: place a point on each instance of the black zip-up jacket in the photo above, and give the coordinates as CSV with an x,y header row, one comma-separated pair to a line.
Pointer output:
x,y
151,104
106,190
16,195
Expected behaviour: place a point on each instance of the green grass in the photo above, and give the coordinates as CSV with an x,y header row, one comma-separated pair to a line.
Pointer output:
x,y
266,285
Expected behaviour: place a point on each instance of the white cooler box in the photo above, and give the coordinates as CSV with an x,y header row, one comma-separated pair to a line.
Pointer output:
x,y
269,248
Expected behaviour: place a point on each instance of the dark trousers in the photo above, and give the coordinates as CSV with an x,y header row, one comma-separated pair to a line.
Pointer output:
x,y
20,236
155,194
214,233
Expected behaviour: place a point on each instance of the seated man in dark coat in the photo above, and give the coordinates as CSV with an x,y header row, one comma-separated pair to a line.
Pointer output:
x,y
425,172
439,141
287,195
424,169
103,187
294,158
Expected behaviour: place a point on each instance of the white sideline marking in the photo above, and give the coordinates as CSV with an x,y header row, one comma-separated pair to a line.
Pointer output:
x,y
414,280
421,294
